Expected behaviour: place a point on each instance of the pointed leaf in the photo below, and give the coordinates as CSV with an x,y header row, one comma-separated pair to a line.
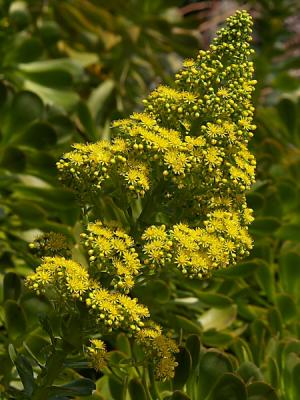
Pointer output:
x,y
15,319
136,390
11,286
183,369
80,387
261,391
213,365
229,386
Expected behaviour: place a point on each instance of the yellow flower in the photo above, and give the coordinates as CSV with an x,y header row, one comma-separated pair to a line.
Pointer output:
x,y
187,148
214,130
155,232
212,157
176,161
148,121
160,350
97,354
119,146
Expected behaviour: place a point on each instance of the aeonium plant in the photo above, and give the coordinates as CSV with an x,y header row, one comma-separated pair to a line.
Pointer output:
x,y
166,194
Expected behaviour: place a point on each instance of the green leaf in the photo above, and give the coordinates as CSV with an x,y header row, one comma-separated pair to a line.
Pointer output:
x,y
63,126
255,200
13,159
49,31
72,68
11,286
261,391
42,164
116,388
288,193
99,96
179,395
86,120
61,199
3,93
118,360
242,350
229,386
288,113
265,226
39,135
26,107
289,232
46,325
264,276
31,214
19,14
218,319
155,291
295,381
217,339
15,319
193,345
24,49
54,365
286,306
123,344
183,369
179,322
80,387
273,372
136,390
275,321
72,330
285,82
65,99
213,365
249,372
289,272
53,78
35,307
102,386
25,372
37,344
214,299
242,270
12,352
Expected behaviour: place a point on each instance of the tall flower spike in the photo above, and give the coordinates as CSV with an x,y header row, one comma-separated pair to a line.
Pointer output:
x,y
188,149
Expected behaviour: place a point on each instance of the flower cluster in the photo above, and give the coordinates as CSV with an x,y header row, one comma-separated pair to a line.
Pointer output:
x,y
184,161
89,167
112,251
116,310
50,244
187,151
67,279
97,354
197,251
160,350
158,246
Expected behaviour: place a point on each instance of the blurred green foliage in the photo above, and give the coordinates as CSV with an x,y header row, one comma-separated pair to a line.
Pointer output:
x,y
64,76
67,68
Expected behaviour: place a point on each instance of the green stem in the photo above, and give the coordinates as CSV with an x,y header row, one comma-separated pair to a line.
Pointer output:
x,y
153,386
144,382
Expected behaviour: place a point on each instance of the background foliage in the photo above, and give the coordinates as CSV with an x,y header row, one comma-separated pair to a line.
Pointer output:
x,y
67,68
